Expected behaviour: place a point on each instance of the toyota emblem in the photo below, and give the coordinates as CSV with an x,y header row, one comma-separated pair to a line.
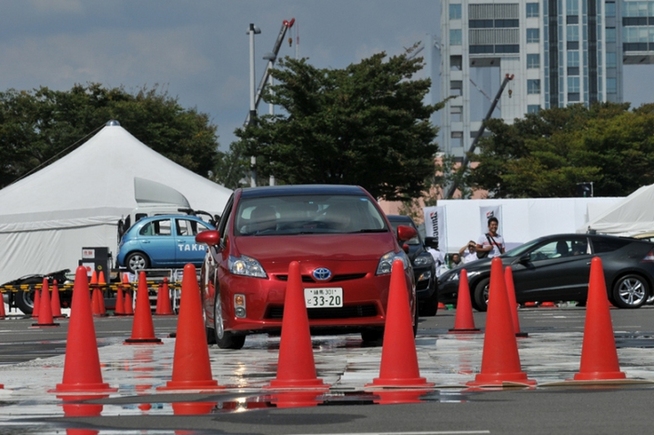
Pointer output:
x,y
322,274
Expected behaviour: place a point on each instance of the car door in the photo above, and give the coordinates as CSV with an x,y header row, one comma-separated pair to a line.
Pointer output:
x,y
157,241
186,249
557,269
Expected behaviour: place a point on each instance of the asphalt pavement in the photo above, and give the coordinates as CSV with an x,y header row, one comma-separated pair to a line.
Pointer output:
x,y
32,362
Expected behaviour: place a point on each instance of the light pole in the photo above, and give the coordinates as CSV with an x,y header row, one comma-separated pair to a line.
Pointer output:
x,y
252,30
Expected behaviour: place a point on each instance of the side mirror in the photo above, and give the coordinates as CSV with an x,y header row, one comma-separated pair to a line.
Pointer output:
x,y
405,232
524,258
405,248
208,237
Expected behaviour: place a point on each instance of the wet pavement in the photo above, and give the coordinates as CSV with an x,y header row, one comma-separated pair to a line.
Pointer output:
x,y
550,355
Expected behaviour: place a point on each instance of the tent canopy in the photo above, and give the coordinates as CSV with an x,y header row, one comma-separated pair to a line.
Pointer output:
x,y
76,202
632,215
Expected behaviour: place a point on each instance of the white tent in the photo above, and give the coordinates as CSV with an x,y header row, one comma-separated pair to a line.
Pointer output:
x,y
631,216
47,218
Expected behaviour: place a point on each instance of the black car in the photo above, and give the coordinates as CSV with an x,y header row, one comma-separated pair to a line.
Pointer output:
x,y
423,267
557,268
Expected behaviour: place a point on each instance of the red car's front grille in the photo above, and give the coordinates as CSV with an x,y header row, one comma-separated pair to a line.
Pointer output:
x,y
336,278
369,310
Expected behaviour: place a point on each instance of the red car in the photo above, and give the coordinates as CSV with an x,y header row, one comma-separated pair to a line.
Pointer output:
x,y
338,234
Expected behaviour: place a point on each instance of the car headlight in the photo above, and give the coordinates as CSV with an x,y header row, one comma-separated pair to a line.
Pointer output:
x,y
386,262
454,276
246,266
424,259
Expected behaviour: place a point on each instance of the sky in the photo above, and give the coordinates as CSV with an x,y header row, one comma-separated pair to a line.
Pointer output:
x,y
198,50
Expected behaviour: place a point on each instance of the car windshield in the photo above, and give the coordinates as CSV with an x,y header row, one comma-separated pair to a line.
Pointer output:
x,y
307,214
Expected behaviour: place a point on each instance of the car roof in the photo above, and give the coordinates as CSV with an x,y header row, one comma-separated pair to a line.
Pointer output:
x,y
301,189
174,216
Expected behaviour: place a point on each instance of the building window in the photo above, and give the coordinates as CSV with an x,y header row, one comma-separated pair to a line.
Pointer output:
x,y
456,139
573,84
532,10
610,34
455,37
533,108
456,113
456,88
611,85
573,58
456,63
455,11
533,86
572,33
507,23
533,35
611,61
610,9
533,61
572,7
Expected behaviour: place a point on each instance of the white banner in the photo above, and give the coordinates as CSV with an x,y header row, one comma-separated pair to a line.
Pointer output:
x,y
488,212
436,226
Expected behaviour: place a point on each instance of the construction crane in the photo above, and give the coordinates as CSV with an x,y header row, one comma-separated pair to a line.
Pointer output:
x,y
271,57
449,190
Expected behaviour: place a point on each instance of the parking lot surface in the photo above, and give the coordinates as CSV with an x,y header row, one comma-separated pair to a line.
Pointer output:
x,y
32,362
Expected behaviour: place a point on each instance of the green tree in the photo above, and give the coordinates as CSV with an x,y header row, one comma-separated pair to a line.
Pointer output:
x,y
548,153
40,126
366,124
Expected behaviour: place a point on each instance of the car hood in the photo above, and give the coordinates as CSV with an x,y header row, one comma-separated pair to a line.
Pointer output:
x,y
342,247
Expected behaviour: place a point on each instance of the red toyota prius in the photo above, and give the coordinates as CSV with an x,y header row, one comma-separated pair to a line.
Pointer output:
x,y
342,240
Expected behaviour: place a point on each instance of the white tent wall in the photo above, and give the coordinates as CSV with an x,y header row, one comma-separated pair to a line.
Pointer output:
x,y
47,218
521,219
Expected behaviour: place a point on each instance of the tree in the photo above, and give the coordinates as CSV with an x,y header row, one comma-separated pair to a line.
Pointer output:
x,y
40,126
547,154
365,124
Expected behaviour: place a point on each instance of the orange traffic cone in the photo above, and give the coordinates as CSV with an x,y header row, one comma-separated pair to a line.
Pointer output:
x,y
55,302
101,285
548,304
599,357
295,365
191,364
500,363
399,358
164,307
82,361
463,321
142,327
36,301
510,291
129,303
119,308
3,312
45,308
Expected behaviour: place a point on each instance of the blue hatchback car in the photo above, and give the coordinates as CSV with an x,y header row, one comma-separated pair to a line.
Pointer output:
x,y
162,241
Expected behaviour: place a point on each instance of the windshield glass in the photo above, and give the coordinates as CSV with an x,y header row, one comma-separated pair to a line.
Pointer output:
x,y
307,214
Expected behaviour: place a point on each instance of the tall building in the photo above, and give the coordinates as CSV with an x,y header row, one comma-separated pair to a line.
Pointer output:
x,y
559,52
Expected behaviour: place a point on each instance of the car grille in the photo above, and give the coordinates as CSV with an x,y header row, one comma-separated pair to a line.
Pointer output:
x,y
369,310
335,278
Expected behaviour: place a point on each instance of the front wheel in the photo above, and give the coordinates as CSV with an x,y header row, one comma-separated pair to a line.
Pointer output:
x,y
25,301
630,291
429,307
136,261
480,296
224,339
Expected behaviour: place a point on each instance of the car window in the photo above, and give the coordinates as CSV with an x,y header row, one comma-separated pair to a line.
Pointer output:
x,y
560,248
304,214
189,227
159,227
608,245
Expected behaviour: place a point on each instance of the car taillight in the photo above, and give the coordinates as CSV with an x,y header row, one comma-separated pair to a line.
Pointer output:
x,y
649,257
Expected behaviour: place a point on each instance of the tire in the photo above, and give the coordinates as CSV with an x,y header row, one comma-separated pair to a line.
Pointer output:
x,y
480,295
429,307
136,261
630,291
224,339
25,301
372,335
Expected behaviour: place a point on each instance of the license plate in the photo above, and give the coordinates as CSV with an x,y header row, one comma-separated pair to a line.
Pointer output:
x,y
331,297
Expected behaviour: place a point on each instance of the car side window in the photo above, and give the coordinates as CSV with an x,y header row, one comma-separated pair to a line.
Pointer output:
x,y
160,227
603,245
226,222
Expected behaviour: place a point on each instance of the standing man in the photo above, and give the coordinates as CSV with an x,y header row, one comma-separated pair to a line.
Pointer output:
x,y
491,242
432,247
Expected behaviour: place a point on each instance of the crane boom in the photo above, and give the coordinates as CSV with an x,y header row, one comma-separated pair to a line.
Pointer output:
x,y
286,24
449,191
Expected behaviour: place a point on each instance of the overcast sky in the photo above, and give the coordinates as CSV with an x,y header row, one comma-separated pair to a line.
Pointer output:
x,y
198,50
